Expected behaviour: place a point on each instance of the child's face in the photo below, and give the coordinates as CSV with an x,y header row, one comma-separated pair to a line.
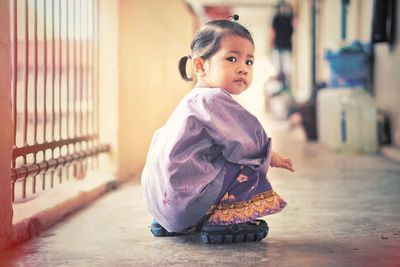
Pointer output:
x,y
231,67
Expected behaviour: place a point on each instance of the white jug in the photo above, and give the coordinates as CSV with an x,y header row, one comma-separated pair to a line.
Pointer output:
x,y
347,120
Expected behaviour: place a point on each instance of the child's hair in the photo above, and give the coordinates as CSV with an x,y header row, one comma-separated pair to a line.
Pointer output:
x,y
207,41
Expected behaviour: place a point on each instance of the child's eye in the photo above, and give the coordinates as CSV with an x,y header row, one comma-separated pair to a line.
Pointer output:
x,y
232,59
249,62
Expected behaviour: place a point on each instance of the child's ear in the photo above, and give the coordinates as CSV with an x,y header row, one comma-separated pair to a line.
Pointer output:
x,y
199,66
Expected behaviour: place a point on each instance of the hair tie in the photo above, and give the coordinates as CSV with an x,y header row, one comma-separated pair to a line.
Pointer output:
x,y
234,18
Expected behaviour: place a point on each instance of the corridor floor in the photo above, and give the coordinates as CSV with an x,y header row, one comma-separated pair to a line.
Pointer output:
x,y
343,210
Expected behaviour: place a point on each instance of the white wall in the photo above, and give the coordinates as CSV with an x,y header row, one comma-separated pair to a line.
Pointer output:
x,y
153,36
387,60
302,50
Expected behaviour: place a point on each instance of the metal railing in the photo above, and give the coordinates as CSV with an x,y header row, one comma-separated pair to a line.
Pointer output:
x,y
55,98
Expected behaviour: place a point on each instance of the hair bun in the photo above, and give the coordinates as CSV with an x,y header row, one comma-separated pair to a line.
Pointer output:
x,y
235,17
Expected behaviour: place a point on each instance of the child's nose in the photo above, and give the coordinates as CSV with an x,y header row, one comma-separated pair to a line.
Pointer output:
x,y
243,68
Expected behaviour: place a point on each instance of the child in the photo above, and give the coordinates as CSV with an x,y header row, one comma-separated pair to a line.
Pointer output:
x,y
206,167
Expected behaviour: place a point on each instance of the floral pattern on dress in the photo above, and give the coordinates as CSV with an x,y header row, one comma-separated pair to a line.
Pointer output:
x,y
166,201
228,197
242,178
245,211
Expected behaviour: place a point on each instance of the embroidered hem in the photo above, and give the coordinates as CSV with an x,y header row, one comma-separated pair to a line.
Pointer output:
x,y
239,212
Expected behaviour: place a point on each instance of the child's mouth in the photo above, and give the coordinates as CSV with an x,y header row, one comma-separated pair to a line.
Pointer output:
x,y
241,81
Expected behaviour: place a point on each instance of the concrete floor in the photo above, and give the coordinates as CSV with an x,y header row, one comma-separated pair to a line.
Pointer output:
x,y
343,210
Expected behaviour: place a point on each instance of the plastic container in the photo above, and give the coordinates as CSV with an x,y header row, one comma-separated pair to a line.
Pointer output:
x,y
349,66
347,120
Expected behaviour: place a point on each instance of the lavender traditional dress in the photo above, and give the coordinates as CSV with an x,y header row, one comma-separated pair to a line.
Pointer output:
x,y
211,154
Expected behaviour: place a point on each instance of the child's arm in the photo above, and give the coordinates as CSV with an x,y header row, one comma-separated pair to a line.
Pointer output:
x,y
281,162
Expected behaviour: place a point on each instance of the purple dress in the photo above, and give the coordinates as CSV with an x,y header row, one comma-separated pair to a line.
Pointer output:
x,y
211,156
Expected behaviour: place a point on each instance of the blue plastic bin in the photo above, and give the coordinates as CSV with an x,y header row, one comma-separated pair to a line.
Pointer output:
x,y
349,66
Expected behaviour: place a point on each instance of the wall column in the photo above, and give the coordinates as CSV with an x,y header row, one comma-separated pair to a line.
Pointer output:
x,y
6,128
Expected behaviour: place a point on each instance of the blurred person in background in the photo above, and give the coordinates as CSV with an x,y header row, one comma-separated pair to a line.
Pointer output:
x,y
281,43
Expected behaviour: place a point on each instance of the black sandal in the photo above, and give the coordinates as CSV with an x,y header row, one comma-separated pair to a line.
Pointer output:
x,y
243,232
158,231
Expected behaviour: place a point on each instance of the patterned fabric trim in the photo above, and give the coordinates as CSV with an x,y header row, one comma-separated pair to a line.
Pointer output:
x,y
262,204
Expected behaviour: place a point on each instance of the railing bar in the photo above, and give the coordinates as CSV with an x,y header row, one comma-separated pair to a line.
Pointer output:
x,y
97,74
60,72
83,82
53,164
80,71
93,77
67,173
26,85
75,81
87,69
91,70
26,74
15,76
44,86
60,63
35,139
20,151
44,75
78,167
53,54
34,185
53,119
36,79
67,79
75,72
24,188
67,69
97,65
44,181
92,66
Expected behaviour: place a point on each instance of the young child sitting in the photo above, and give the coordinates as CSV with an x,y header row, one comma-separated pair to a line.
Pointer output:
x,y
206,167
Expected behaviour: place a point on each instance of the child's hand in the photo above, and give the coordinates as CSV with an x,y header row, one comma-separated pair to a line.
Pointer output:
x,y
281,162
